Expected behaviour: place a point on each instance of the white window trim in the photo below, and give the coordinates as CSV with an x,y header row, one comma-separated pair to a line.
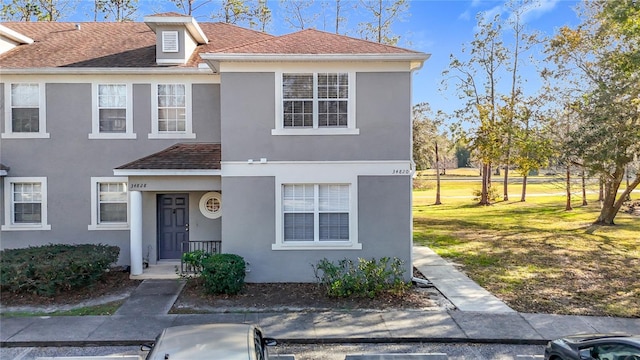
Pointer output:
x,y
95,123
297,178
95,225
351,128
188,133
8,205
203,205
8,126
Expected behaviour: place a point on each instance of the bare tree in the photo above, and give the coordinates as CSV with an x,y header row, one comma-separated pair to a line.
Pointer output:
x,y
298,14
383,14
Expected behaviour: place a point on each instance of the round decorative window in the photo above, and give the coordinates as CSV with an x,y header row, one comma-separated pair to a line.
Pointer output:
x,y
211,205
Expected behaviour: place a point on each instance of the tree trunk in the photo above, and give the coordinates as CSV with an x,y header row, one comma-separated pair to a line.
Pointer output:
x,y
611,206
627,176
505,187
601,190
584,189
568,206
524,188
486,184
437,177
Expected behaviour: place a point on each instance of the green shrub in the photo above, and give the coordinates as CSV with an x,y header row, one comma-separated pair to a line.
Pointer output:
x,y
368,278
50,269
223,274
493,194
194,259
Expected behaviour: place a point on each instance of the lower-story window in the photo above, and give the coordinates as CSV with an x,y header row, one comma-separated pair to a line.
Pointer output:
x,y
315,212
26,208
109,203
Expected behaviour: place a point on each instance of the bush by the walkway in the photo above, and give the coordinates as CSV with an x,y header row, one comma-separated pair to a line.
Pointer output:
x,y
50,269
367,278
223,273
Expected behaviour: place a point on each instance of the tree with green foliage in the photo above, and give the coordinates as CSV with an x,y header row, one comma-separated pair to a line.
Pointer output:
x,y
383,14
600,59
262,15
476,81
34,10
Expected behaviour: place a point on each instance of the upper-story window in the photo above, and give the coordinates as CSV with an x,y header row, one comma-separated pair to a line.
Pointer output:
x,y
172,116
25,113
26,205
112,114
315,104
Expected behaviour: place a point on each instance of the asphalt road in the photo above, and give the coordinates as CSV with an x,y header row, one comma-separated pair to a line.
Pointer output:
x,y
309,352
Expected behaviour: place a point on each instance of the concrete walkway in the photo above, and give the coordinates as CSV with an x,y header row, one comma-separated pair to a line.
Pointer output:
x,y
479,318
463,292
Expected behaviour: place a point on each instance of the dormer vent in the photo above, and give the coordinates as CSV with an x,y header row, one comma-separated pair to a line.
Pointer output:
x,y
170,41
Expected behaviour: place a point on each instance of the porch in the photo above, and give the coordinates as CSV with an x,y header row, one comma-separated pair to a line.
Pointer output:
x,y
174,269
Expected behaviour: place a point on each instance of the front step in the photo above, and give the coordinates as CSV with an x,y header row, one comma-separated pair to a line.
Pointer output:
x,y
160,271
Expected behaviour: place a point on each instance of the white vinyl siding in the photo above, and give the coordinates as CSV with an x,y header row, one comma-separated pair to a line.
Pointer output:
x,y
26,205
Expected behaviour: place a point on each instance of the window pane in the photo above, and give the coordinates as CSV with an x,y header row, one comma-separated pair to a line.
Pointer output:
x,y
27,213
172,108
25,95
113,120
297,86
298,198
334,226
298,227
113,212
25,120
334,198
112,96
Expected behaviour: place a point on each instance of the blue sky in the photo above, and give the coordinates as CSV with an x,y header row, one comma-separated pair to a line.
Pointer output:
x,y
437,27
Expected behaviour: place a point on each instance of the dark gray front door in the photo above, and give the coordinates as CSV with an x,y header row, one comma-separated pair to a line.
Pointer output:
x,y
173,224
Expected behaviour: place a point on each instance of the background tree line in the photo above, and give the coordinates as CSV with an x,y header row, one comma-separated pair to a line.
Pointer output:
x,y
586,114
378,16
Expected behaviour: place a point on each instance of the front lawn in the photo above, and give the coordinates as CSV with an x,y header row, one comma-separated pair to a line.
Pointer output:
x,y
536,256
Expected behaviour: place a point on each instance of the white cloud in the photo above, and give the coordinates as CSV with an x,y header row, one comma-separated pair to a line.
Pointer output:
x,y
537,10
464,16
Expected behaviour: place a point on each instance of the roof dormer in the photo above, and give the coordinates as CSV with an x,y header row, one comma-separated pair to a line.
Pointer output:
x,y
10,39
177,36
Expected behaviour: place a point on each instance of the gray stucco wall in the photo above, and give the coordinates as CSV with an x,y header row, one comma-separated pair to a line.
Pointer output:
x,y
382,114
248,228
68,159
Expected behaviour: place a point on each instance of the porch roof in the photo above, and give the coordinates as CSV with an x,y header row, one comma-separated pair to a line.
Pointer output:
x,y
183,156
3,170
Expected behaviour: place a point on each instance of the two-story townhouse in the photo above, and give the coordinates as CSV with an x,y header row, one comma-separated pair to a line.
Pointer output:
x,y
163,135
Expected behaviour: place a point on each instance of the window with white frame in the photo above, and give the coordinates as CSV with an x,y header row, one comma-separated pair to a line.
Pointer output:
x,y
172,118
24,115
315,213
324,102
109,203
26,208
112,118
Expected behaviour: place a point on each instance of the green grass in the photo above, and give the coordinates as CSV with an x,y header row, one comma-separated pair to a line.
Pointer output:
x,y
97,310
535,255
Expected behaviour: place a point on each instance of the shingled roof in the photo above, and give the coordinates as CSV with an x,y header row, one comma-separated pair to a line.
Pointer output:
x,y
312,41
102,44
133,45
183,156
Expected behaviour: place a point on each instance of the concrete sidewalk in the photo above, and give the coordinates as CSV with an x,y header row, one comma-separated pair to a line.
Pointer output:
x,y
479,317
316,327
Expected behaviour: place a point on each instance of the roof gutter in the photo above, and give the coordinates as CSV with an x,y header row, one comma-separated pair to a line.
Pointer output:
x,y
107,71
214,59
